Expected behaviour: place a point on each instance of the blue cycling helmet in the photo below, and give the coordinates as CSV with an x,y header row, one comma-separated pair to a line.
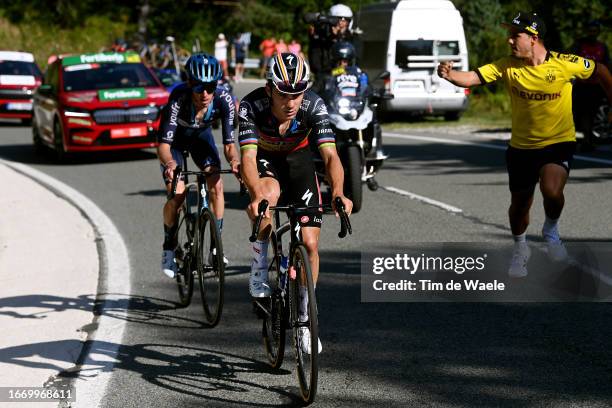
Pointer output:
x,y
203,68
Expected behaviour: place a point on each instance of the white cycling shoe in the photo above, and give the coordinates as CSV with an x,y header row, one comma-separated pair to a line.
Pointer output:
x,y
304,333
518,263
258,283
168,264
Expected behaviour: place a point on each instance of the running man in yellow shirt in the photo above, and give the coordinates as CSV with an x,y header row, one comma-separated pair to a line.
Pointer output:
x,y
543,138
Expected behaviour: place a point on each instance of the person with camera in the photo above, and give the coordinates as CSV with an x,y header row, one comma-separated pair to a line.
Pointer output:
x,y
324,32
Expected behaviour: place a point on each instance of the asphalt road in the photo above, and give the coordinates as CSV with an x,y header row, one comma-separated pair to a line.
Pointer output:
x,y
387,354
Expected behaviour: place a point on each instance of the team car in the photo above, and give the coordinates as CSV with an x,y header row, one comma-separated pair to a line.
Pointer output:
x,y
19,78
95,102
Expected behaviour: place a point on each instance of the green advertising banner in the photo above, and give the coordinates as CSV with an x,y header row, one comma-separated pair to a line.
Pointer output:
x,y
106,95
101,58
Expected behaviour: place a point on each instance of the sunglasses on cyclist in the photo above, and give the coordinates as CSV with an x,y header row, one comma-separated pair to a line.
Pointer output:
x,y
284,88
200,87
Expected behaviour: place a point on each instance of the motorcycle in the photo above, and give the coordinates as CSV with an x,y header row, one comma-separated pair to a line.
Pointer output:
x,y
352,115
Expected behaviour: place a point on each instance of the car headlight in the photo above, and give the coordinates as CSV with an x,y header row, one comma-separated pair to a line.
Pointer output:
x,y
72,112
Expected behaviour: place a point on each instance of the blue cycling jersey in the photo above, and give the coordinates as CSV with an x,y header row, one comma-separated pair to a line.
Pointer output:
x,y
178,117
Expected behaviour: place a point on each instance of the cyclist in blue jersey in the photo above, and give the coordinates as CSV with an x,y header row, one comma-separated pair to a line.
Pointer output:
x,y
186,126
277,123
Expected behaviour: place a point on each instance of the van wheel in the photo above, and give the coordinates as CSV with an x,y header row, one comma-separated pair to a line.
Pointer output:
x,y
452,116
58,143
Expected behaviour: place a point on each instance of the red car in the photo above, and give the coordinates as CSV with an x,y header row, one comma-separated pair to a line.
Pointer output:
x,y
94,102
19,78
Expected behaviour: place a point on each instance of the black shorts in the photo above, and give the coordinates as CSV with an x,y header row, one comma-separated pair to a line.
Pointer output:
x,y
298,182
524,164
240,60
201,144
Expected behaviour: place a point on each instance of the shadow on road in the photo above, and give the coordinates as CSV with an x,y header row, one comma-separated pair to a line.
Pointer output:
x,y
25,153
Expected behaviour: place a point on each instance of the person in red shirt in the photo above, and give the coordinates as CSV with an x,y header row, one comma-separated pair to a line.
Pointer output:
x,y
267,47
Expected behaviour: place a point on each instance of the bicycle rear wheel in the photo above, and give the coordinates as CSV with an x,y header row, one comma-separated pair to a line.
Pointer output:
x,y
274,323
211,270
184,260
307,362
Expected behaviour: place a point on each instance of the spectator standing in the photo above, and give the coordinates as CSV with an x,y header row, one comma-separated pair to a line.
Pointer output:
x,y
239,54
221,53
281,46
295,48
267,47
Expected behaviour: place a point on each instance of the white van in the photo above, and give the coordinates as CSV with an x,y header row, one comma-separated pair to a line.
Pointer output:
x,y
409,38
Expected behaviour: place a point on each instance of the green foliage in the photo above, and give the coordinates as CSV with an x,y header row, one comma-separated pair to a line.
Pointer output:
x,y
49,26
91,35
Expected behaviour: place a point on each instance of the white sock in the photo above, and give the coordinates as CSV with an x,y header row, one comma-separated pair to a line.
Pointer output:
x,y
520,238
303,303
260,255
550,230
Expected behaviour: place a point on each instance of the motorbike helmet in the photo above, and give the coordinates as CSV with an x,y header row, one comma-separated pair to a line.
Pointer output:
x,y
343,50
342,11
288,73
203,68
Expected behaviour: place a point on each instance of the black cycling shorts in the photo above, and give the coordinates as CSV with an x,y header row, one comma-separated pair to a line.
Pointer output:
x,y
524,164
298,181
201,144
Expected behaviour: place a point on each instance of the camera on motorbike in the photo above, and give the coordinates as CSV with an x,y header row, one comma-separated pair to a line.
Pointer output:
x,y
322,24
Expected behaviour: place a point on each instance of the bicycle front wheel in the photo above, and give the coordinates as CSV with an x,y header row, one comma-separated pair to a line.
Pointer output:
x,y
274,323
183,257
305,331
211,270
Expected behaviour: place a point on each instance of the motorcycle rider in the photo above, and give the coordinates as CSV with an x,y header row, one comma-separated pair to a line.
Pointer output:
x,y
323,34
345,76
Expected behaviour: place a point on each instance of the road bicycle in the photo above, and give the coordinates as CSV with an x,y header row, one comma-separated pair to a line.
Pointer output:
x,y
288,271
199,251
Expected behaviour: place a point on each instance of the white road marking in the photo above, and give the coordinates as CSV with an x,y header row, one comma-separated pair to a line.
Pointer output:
x,y
427,200
478,144
114,286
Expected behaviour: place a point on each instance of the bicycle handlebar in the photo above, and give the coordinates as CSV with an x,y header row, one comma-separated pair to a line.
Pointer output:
x,y
345,223
263,205
178,172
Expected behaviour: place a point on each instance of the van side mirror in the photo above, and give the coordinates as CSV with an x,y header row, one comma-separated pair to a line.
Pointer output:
x,y
384,75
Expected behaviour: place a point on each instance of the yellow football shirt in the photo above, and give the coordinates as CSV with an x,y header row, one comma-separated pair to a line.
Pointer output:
x,y
541,96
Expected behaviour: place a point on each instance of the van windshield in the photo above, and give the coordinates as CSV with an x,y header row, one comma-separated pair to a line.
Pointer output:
x,y
422,48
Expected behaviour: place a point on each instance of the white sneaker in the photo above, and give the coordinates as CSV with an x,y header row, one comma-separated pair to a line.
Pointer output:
x,y
304,333
556,251
258,283
518,263
168,264
211,256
